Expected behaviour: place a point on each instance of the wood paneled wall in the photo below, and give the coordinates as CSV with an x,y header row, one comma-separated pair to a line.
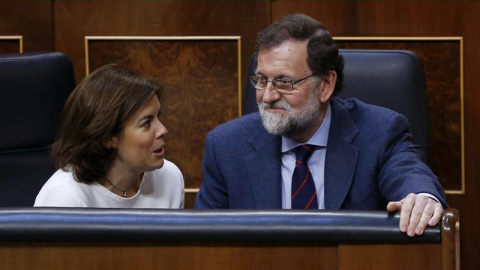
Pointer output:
x,y
62,25
76,19
30,19
201,87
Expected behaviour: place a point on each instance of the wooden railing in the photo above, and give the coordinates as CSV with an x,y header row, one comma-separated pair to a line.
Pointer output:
x,y
73,238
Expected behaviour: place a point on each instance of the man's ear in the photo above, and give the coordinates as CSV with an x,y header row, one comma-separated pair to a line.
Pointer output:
x,y
327,86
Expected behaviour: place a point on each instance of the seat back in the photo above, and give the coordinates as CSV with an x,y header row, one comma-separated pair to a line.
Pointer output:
x,y
388,78
33,90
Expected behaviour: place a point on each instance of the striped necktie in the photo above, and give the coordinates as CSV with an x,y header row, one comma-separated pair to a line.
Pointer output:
x,y
304,194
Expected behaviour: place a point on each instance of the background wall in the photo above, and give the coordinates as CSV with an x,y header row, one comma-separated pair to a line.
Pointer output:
x,y
61,25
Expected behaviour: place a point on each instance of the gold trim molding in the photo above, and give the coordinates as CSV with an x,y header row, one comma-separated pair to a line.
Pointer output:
x,y
462,123
192,190
176,38
399,39
19,38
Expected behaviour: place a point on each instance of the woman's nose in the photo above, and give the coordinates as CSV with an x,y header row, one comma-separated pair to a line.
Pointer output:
x,y
161,130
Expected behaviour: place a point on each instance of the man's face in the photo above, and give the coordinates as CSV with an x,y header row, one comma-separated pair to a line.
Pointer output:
x,y
297,111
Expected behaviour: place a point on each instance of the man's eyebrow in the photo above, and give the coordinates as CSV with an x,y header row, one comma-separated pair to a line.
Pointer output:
x,y
281,76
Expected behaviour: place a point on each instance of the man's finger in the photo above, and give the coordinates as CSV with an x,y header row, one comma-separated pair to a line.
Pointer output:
x,y
437,215
427,214
394,206
420,202
407,207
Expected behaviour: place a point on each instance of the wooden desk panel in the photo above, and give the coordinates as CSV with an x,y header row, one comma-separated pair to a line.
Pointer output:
x,y
119,256
422,256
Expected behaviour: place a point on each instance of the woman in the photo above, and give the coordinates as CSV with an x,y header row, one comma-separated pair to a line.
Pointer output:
x,y
110,150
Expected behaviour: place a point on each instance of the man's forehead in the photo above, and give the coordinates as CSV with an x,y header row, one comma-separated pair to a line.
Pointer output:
x,y
288,57
287,45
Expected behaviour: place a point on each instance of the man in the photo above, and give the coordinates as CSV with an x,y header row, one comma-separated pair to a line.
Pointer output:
x,y
361,156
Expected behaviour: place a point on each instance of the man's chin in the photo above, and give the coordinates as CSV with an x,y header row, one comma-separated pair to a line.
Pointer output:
x,y
274,123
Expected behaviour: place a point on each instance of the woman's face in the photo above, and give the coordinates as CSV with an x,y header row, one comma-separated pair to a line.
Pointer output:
x,y
141,145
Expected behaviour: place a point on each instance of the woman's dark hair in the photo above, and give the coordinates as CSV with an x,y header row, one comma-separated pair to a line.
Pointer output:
x,y
95,111
322,51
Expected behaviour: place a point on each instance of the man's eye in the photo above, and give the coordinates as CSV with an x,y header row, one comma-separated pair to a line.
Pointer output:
x,y
284,82
262,79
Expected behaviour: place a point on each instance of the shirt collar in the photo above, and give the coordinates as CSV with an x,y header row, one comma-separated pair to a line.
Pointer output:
x,y
320,138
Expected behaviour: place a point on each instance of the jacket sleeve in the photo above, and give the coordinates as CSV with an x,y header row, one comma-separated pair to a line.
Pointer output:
x,y
401,171
213,192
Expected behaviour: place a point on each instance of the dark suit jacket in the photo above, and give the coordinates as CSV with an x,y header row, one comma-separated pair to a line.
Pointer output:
x,y
370,160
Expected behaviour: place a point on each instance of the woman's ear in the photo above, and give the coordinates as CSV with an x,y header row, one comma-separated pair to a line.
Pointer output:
x,y
327,86
111,143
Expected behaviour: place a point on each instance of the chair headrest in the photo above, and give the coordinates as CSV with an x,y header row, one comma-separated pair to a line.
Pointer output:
x,y
32,93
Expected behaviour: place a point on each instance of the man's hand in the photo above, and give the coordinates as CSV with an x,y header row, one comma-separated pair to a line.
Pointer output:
x,y
417,211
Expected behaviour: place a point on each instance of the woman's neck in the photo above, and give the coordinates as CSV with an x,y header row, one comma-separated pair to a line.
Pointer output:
x,y
121,181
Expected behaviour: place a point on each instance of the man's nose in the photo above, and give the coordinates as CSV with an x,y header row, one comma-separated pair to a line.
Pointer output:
x,y
270,94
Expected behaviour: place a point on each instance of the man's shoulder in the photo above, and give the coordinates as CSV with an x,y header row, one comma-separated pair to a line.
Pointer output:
x,y
360,110
242,125
354,104
241,132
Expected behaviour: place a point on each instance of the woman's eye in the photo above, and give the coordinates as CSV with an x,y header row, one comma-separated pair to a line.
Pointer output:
x,y
146,124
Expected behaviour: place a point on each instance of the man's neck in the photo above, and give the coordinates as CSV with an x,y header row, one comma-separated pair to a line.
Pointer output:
x,y
302,135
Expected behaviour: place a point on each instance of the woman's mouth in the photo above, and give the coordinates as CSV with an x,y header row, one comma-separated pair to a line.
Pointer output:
x,y
159,151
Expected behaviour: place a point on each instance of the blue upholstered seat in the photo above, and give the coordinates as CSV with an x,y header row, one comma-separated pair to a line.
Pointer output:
x,y
33,90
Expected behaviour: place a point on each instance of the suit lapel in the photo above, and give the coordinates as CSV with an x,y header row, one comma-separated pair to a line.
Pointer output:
x,y
263,169
341,157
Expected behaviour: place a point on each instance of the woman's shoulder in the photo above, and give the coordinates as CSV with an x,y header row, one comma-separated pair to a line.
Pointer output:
x,y
169,172
166,184
168,168
60,178
61,189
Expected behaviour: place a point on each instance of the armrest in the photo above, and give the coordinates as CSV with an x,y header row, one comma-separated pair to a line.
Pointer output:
x,y
150,225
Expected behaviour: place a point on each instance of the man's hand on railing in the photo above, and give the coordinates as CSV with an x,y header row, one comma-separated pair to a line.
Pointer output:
x,y
416,212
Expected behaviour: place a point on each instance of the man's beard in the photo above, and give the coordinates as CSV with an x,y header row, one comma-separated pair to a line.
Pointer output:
x,y
293,120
